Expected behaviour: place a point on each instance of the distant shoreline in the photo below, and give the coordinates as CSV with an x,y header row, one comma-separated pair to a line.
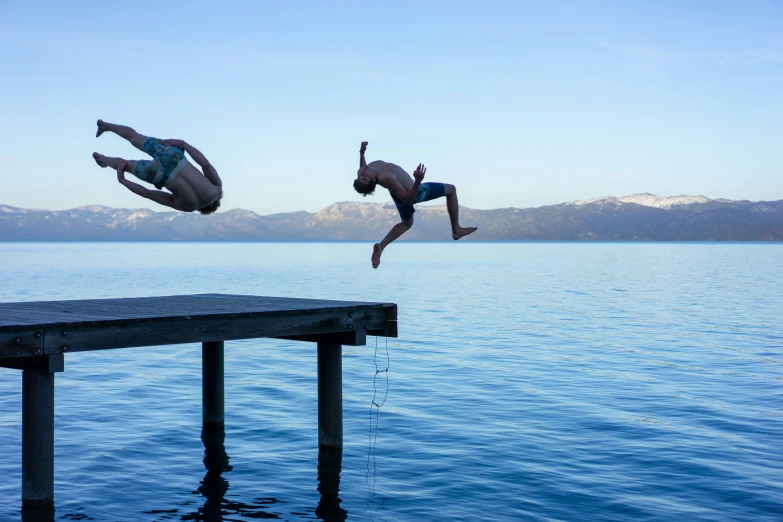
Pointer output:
x,y
638,218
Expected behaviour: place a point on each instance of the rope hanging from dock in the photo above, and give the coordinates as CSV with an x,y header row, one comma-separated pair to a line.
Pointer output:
x,y
373,435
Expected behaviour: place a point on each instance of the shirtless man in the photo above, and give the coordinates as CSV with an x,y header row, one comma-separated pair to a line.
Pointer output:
x,y
189,189
406,192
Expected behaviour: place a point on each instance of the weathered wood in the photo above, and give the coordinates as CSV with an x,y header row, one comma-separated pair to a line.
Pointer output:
x,y
44,363
21,341
353,338
330,395
389,327
74,326
188,330
37,438
212,392
96,311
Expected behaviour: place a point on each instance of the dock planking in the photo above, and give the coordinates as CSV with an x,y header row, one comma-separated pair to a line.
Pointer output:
x,y
35,336
29,329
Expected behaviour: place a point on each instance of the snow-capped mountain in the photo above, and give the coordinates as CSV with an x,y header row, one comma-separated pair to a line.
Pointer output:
x,y
637,217
650,200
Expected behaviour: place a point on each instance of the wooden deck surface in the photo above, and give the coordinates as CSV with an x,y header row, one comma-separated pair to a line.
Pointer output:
x,y
48,327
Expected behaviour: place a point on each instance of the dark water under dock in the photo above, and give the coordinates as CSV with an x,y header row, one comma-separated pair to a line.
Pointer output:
x,y
529,381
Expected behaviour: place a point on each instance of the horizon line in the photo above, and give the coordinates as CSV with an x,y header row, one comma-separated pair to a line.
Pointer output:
x,y
571,202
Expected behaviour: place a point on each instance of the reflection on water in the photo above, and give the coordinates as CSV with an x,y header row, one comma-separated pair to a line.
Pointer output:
x,y
38,514
214,487
330,462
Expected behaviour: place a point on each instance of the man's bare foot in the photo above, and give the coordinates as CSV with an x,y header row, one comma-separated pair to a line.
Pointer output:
x,y
100,159
101,128
462,232
376,255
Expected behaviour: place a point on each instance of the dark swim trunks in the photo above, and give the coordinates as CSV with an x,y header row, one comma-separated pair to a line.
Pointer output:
x,y
427,192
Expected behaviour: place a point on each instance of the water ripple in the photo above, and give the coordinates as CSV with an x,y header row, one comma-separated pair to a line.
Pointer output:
x,y
530,382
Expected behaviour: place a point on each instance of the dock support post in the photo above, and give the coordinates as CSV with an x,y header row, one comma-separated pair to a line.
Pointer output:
x,y
330,395
212,392
38,439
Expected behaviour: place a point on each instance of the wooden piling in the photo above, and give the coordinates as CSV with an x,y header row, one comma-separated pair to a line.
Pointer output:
x,y
37,438
330,395
212,392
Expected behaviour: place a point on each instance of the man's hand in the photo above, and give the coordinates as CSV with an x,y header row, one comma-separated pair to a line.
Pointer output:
x,y
363,147
121,171
176,143
418,175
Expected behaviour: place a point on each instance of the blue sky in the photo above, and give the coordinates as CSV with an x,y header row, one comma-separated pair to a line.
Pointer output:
x,y
517,103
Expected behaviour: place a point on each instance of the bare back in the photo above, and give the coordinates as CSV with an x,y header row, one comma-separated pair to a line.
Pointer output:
x,y
191,190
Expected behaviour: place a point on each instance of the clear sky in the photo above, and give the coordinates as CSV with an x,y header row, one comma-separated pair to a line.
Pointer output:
x,y
518,103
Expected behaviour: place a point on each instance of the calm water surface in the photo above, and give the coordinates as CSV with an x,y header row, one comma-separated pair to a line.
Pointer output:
x,y
537,381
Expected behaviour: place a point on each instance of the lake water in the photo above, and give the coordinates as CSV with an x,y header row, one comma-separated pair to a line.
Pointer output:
x,y
530,381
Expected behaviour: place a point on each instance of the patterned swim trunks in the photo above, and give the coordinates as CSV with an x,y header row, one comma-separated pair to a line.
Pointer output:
x,y
168,161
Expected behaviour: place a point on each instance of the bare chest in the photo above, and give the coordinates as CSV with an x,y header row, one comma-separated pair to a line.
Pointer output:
x,y
389,171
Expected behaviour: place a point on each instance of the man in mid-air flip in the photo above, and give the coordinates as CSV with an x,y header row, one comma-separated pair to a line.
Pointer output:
x,y
406,192
189,189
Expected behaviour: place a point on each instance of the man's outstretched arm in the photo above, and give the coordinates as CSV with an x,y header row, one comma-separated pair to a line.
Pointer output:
x,y
209,171
362,161
158,196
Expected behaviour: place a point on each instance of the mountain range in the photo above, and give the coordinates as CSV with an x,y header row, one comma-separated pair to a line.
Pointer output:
x,y
643,217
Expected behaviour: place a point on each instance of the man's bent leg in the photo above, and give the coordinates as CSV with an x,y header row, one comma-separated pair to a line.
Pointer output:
x,y
452,205
136,139
396,231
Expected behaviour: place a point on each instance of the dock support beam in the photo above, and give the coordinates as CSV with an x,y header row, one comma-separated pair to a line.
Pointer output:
x,y
330,395
212,392
38,439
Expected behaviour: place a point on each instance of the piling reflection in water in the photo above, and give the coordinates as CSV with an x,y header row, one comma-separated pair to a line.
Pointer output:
x,y
38,513
330,463
214,486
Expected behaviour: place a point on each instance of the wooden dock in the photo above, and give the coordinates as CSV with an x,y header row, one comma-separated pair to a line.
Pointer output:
x,y
35,336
